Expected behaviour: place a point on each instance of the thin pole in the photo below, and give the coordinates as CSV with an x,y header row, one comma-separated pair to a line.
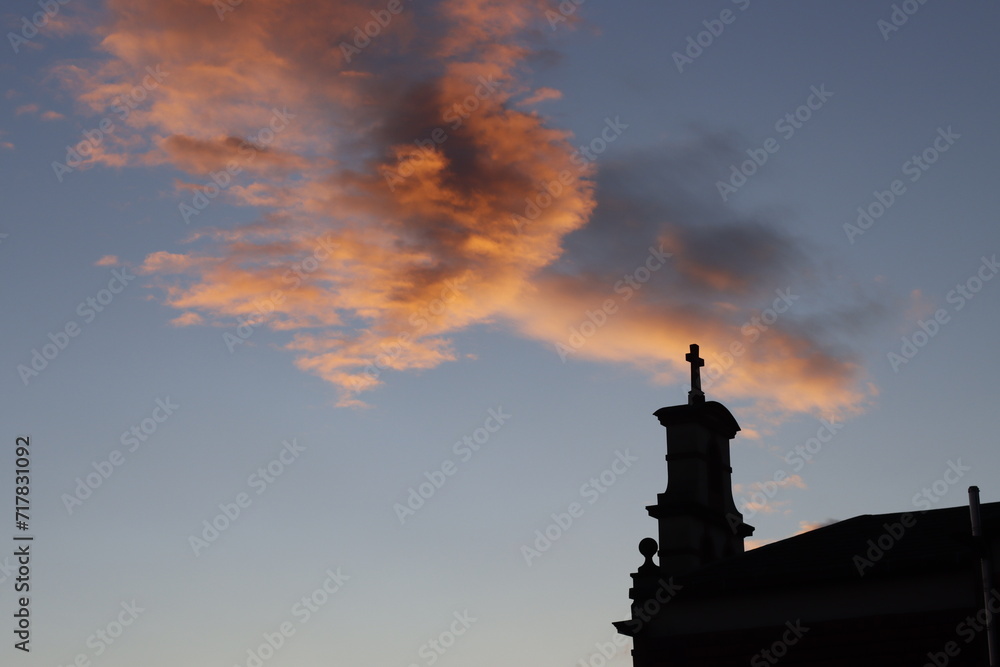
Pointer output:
x,y
986,571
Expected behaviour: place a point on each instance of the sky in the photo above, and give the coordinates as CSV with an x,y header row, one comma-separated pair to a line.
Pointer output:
x,y
336,328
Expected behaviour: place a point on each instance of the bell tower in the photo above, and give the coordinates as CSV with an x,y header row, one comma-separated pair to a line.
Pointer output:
x,y
697,516
698,520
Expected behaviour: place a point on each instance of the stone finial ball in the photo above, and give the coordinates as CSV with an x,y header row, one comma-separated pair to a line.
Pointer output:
x,y
647,547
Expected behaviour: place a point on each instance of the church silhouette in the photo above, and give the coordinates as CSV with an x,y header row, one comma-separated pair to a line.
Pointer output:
x,y
909,588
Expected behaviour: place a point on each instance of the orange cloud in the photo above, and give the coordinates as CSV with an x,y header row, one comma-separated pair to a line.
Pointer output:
x,y
807,526
187,319
108,260
542,95
202,156
404,197
750,543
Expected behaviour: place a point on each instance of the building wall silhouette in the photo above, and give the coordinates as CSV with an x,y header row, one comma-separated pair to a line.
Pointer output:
x,y
904,588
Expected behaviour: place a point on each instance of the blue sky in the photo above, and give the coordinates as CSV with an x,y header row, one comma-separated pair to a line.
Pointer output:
x,y
354,448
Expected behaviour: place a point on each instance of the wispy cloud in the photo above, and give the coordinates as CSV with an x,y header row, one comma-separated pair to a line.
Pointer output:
x,y
412,158
542,95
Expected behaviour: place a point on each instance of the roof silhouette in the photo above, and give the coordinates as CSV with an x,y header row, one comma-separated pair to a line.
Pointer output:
x,y
939,539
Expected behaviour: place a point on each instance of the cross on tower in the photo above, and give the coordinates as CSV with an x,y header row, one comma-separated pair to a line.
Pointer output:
x,y
696,395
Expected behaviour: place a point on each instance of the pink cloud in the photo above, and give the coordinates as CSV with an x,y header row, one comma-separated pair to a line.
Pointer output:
x,y
441,204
